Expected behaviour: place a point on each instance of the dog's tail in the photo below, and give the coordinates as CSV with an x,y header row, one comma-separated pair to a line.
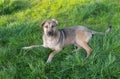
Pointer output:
x,y
103,33
30,47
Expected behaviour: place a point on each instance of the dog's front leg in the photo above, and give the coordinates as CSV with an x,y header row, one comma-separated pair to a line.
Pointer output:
x,y
52,55
44,46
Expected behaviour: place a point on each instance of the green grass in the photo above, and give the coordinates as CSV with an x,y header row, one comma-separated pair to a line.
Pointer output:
x,y
19,27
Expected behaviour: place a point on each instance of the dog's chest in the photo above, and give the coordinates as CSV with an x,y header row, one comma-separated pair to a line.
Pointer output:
x,y
50,42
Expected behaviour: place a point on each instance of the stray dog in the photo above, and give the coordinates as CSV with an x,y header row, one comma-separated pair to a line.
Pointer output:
x,y
57,39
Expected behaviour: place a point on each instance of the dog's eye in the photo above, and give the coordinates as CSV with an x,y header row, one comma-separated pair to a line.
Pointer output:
x,y
52,26
46,26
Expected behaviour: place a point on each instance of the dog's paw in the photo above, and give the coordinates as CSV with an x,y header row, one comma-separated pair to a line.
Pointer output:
x,y
43,46
26,48
48,61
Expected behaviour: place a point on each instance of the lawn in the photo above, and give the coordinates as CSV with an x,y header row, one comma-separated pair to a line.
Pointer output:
x,y
19,27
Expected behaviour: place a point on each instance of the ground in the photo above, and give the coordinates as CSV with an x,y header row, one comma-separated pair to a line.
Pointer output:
x,y
19,27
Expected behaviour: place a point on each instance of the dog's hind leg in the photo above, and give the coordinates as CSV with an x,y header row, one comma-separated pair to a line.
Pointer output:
x,y
78,48
82,40
86,47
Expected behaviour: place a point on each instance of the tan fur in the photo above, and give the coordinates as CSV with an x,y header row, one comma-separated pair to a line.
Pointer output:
x,y
57,39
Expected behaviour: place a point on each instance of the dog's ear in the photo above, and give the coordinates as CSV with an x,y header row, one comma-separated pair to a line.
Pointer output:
x,y
55,21
42,24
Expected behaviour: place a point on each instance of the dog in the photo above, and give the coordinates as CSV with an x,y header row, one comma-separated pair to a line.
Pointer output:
x,y
57,39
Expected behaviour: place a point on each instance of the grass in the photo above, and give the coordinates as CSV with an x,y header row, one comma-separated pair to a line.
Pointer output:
x,y
19,28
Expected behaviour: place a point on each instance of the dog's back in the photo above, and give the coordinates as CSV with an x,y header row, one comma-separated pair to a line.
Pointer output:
x,y
68,35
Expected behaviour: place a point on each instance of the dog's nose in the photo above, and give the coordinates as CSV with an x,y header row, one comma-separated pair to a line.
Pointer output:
x,y
50,33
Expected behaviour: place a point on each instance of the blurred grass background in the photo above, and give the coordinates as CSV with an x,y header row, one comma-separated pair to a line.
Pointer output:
x,y
19,27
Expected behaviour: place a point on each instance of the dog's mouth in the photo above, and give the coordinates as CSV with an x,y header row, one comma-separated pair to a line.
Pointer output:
x,y
50,33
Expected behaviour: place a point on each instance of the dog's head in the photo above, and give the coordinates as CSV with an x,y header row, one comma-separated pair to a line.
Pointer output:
x,y
49,27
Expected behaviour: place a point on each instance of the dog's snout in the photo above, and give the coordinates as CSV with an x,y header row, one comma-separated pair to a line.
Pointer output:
x,y
50,33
